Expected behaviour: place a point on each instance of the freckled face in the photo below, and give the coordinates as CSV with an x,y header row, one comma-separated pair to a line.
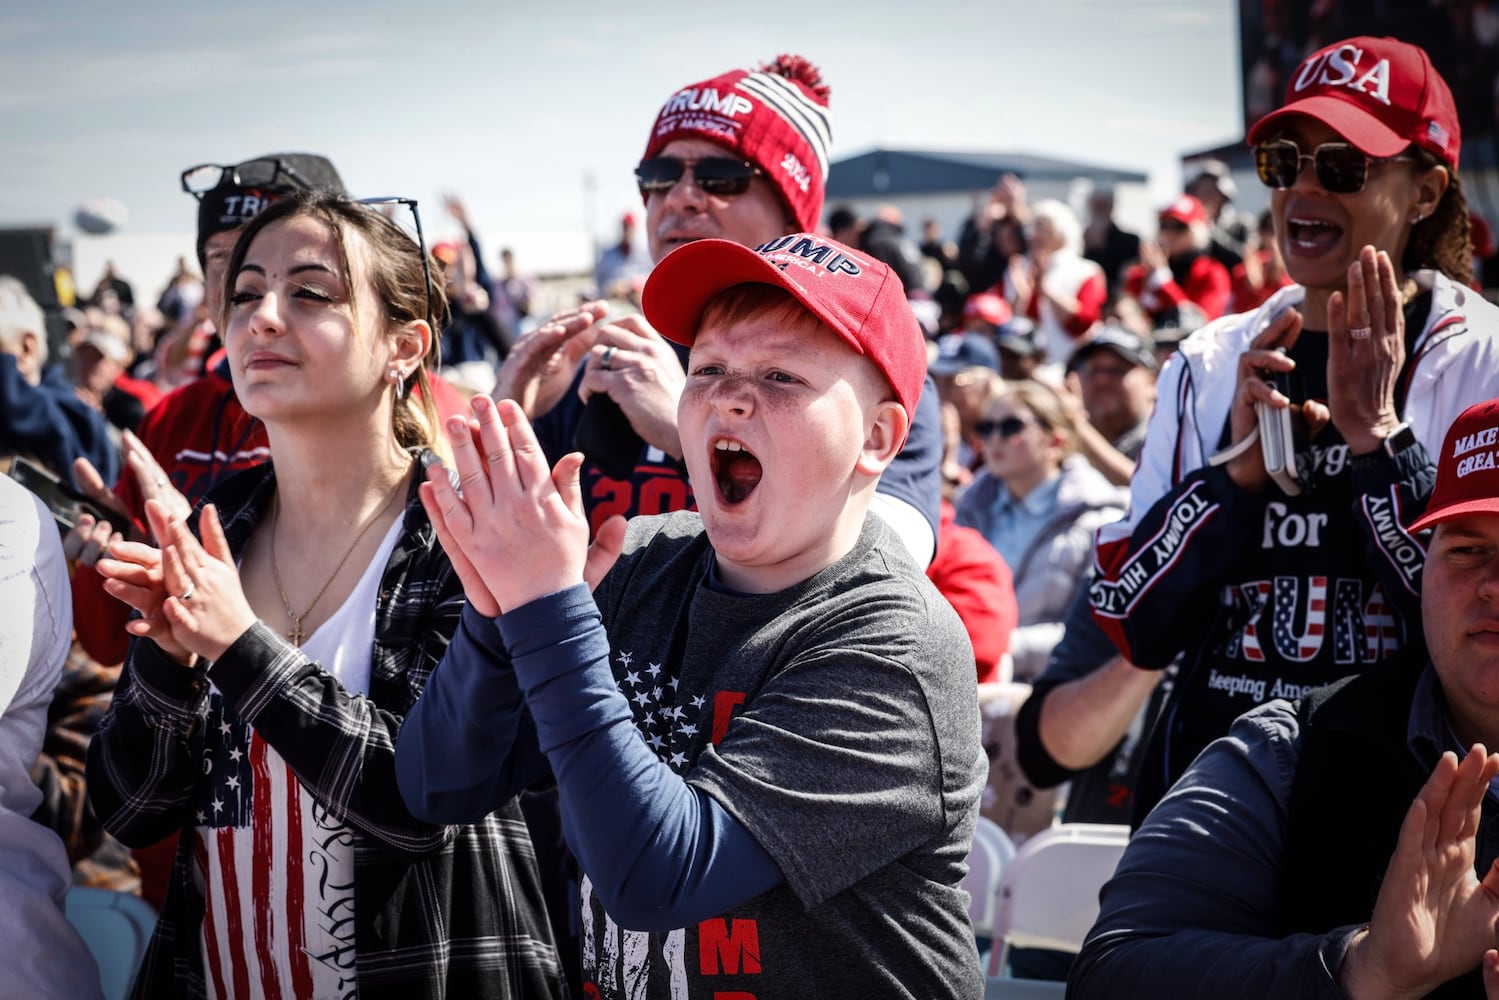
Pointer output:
x,y
773,419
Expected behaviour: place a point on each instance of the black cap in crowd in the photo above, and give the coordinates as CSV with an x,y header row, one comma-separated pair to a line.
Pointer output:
x,y
229,205
1134,349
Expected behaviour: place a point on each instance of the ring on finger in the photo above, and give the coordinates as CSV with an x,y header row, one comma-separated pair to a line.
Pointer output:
x,y
606,359
192,588
1360,332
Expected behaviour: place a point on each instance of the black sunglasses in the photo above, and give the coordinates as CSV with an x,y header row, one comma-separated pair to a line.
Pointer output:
x,y
421,244
717,175
1341,168
1006,428
267,172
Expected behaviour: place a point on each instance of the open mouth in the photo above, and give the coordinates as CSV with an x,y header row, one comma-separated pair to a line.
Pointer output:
x,y
735,470
1313,235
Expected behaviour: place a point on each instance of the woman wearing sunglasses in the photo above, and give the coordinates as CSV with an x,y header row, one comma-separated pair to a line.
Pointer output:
x,y
1038,504
1265,587
274,660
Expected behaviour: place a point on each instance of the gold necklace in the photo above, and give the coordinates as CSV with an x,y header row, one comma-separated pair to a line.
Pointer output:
x,y
297,634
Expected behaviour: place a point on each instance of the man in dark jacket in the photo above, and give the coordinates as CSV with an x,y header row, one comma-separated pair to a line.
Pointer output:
x,y
1345,845
41,414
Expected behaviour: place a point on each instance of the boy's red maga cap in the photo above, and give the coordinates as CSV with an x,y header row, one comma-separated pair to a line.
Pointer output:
x,y
856,296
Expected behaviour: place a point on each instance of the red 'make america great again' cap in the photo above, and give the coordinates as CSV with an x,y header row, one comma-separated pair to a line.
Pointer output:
x,y
1381,94
1467,468
857,297
776,117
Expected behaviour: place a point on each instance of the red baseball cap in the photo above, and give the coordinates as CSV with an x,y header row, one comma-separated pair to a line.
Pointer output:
x,y
857,297
991,308
1187,210
1381,94
1467,468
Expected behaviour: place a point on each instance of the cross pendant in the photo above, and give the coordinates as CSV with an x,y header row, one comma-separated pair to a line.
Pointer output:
x,y
296,635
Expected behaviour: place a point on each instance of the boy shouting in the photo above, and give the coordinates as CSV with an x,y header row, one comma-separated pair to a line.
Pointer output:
x,y
762,722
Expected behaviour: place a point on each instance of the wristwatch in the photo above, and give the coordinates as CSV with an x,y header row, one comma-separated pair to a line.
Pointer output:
x,y
1399,439
1396,442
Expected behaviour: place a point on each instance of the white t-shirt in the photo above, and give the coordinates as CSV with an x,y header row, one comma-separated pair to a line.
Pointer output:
x,y
280,899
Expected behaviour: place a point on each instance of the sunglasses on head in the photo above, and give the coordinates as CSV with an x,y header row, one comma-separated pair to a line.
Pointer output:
x,y
719,175
382,205
264,172
1006,428
1340,167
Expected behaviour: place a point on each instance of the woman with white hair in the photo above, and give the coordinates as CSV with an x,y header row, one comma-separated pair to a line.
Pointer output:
x,y
1053,285
1177,269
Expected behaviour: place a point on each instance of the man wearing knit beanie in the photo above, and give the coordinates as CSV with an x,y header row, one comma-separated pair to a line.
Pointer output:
x,y
772,123
741,156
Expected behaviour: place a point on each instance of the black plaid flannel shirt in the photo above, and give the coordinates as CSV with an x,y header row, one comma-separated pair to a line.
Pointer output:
x,y
440,911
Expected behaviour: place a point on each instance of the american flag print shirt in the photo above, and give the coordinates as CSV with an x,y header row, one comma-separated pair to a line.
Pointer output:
x,y
279,867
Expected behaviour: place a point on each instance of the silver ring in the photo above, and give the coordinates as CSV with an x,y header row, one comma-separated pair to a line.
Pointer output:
x,y
608,357
1360,332
192,588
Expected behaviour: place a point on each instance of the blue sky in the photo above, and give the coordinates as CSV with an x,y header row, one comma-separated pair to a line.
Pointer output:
x,y
515,110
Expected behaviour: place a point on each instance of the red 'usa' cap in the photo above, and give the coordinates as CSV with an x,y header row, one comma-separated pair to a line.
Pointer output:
x,y
1381,94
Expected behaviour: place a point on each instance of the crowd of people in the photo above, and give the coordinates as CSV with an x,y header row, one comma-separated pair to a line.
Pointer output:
x,y
660,647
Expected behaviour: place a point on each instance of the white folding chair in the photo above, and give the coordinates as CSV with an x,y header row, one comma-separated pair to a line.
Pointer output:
x,y
991,851
993,833
1048,893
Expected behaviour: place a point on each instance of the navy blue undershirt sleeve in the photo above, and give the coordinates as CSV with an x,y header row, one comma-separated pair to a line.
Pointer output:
x,y
661,854
467,746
